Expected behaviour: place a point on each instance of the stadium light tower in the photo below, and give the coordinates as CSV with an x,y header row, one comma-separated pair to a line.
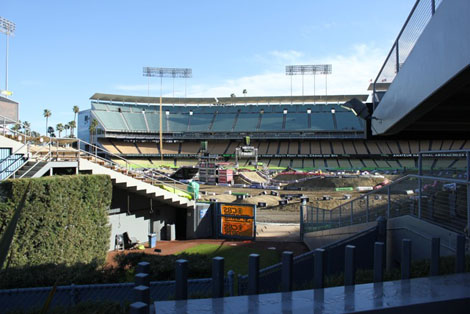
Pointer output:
x,y
8,28
161,73
313,69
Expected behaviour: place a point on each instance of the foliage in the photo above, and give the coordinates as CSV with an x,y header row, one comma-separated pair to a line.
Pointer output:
x,y
162,267
64,220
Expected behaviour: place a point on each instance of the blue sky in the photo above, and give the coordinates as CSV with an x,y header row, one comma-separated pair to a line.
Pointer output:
x,y
65,51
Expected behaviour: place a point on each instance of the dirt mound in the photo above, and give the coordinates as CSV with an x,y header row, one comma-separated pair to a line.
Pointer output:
x,y
329,183
254,177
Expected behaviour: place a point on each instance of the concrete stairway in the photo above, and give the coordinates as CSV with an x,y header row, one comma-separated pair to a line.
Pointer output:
x,y
136,185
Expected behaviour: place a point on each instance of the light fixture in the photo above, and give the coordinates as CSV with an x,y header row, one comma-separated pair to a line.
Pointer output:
x,y
333,111
285,111
167,113
190,112
309,111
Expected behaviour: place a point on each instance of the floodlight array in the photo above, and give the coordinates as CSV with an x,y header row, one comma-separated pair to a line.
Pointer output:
x,y
308,69
7,26
168,72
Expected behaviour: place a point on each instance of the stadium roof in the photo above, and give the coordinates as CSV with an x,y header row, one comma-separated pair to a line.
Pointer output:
x,y
228,100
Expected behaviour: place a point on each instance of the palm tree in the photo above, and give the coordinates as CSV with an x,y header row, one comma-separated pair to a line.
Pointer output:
x,y
59,127
47,113
92,129
16,127
66,127
72,125
27,128
76,110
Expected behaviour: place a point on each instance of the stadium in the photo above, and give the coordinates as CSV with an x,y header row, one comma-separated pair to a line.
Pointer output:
x,y
304,133
361,200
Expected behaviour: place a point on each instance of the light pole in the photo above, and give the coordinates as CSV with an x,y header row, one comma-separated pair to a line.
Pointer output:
x,y
313,69
8,28
161,73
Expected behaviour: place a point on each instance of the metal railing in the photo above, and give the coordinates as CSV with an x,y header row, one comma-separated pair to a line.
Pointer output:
x,y
416,22
53,152
441,200
127,169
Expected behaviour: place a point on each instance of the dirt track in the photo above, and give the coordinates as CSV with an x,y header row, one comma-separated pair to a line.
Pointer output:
x,y
315,188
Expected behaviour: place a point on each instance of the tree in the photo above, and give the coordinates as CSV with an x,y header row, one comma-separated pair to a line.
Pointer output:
x,y
59,127
47,113
72,126
92,129
16,127
76,110
27,128
66,127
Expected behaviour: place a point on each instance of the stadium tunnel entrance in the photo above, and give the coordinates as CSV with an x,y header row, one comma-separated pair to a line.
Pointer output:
x,y
145,215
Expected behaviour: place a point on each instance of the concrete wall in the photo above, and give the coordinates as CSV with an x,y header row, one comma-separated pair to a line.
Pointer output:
x,y
420,233
322,238
135,227
442,51
14,145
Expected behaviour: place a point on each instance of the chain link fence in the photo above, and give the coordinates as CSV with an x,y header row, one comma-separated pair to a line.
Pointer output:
x,y
122,293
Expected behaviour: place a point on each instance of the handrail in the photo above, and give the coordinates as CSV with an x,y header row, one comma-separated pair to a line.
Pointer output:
x,y
14,171
128,163
385,187
123,159
16,151
153,180
395,45
37,162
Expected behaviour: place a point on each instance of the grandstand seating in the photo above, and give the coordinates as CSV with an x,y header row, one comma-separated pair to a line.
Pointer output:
x,y
273,147
171,148
259,121
148,148
283,147
305,147
191,148
126,147
136,121
293,148
106,144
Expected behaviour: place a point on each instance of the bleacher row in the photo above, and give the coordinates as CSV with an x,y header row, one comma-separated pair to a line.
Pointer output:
x,y
351,154
218,118
324,147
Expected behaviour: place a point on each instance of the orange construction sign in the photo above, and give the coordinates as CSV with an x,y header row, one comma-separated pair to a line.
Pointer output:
x,y
237,226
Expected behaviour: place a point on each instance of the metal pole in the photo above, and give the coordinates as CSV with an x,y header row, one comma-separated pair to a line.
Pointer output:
x,y
367,208
388,202
161,109
420,183
468,209
326,89
314,88
433,6
352,212
398,58
6,66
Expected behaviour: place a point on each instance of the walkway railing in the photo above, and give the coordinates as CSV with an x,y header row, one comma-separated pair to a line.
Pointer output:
x,y
440,199
420,15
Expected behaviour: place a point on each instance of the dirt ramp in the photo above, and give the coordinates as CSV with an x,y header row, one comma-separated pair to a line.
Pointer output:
x,y
335,182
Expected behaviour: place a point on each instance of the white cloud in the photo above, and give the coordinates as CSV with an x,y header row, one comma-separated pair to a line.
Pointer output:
x,y
351,75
